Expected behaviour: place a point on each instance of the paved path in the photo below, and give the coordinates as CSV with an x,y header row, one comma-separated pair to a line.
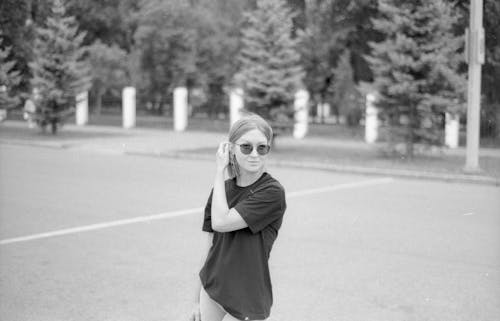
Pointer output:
x,y
351,248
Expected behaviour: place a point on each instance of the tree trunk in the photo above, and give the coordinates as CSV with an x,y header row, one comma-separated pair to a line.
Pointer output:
x,y
53,126
409,141
410,137
98,101
497,124
322,99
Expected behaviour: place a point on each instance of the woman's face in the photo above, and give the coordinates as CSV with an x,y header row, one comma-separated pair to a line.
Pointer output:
x,y
252,162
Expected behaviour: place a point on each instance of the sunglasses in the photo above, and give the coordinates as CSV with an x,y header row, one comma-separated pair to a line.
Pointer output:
x,y
246,149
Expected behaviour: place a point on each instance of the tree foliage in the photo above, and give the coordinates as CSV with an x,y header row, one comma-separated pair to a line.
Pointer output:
x,y
59,68
331,28
16,33
9,79
270,72
109,70
490,125
416,68
195,43
217,45
109,21
165,42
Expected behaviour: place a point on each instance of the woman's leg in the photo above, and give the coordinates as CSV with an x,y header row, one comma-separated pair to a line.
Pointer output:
x,y
209,309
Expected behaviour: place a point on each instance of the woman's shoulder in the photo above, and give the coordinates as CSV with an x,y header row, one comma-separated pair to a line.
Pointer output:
x,y
272,183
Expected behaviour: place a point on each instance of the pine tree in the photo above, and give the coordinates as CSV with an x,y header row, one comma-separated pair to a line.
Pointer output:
x,y
60,70
9,78
270,72
416,68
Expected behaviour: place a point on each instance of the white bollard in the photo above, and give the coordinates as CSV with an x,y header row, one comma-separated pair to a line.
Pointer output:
x,y
180,109
235,104
326,110
451,130
82,108
128,107
371,119
301,109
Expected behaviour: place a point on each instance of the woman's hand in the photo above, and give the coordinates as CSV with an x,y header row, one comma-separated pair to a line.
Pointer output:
x,y
195,315
222,155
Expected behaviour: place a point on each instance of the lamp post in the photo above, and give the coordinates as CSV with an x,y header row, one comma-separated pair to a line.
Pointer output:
x,y
475,58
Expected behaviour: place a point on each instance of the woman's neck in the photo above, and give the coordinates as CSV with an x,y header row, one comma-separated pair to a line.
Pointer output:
x,y
247,178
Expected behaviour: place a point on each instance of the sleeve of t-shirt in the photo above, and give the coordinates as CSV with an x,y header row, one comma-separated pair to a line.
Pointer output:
x,y
262,207
207,220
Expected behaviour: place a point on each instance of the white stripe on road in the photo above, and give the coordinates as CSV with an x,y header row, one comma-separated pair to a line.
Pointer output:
x,y
340,187
167,215
103,225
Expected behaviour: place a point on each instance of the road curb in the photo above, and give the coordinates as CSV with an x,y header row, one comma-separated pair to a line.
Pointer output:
x,y
410,174
457,178
23,142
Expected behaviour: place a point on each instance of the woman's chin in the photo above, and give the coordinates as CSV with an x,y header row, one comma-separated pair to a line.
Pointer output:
x,y
253,168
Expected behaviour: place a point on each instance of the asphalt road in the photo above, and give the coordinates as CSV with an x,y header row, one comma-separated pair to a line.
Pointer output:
x,y
351,247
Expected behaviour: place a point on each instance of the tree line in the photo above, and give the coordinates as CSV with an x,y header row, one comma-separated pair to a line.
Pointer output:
x,y
411,52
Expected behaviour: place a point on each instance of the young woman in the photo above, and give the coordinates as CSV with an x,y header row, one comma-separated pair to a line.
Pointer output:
x,y
242,217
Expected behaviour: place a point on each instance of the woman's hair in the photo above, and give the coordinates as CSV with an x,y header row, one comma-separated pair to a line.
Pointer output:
x,y
248,122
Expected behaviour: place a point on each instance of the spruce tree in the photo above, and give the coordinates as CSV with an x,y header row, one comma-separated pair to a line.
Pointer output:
x,y
270,72
416,68
490,108
60,70
9,79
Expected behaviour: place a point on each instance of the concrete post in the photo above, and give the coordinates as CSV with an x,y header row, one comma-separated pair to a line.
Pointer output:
x,y
326,110
371,119
475,58
128,107
451,130
301,114
236,104
180,108
82,108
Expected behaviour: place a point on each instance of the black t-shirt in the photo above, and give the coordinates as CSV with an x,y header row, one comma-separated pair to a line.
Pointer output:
x,y
236,272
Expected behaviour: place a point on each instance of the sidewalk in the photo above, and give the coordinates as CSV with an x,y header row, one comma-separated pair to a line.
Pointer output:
x,y
321,153
107,139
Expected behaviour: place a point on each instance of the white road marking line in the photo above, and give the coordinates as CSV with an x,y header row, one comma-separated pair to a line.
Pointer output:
x,y
468,214
167,215
103,225
340,187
